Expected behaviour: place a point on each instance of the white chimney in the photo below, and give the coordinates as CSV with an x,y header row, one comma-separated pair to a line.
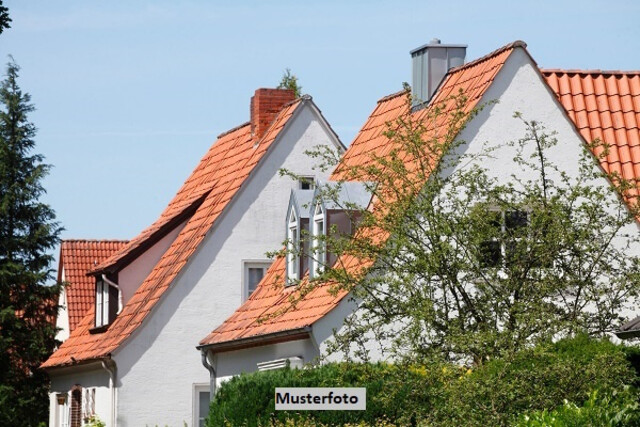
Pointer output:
x,y
431,63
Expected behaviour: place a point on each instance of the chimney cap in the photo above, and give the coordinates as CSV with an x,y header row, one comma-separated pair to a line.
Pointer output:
x,y
435,43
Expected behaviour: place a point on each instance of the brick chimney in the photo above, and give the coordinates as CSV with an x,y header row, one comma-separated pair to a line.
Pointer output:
x,y
265,106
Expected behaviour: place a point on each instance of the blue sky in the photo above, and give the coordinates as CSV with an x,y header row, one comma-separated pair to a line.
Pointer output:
x,y
130,94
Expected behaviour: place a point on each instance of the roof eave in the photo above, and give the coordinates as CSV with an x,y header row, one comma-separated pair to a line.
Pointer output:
x,y
258,340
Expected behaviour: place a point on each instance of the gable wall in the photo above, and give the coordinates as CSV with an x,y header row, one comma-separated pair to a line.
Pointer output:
x,y
159,365
131,277
518,88
62,320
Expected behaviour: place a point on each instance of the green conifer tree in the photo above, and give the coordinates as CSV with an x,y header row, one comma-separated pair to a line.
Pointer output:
x,y
28,232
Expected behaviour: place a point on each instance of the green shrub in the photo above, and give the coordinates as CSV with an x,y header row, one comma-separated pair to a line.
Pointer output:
x,y
395,393
615,409
492,394
543,377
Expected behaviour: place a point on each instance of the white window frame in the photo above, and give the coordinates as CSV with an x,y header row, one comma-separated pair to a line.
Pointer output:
x,y
246,265
102,303
311,180
293,248
197,389
318,252
503,230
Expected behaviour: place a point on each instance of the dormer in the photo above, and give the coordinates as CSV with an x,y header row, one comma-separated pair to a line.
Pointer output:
x,y
334,208
296,231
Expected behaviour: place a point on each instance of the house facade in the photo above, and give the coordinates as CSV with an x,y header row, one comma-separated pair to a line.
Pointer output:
x,y
132,353
580,106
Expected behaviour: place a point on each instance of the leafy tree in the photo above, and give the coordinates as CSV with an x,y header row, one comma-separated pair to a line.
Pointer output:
x,y
457,264
27,232
4,18
290,81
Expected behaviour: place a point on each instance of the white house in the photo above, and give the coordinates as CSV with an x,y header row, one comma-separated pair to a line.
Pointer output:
x,y
130,360
580,106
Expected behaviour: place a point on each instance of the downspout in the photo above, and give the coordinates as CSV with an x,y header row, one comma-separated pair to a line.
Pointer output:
x,y
212,372
110,367
115,285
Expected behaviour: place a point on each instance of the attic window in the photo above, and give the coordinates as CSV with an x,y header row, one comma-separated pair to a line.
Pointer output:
x,y
506,223
318,256
253,271
307,183
293,248
106,307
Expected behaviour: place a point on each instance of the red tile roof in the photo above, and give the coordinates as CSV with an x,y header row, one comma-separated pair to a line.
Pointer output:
x,y
269,311
78,257
604,105
209,189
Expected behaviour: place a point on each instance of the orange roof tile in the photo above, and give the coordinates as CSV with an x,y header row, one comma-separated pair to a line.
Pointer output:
x,y
268,310
209,189
77,257
604,105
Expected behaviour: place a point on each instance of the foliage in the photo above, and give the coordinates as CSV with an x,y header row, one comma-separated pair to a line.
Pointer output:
x,y
94,421
4,17
495,393
290,81
466,263
391,394
27,232
618,408
534,379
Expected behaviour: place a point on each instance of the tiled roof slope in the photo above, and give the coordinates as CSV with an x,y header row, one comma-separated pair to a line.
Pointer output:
x,y
77,257
221,172
268,310
604,105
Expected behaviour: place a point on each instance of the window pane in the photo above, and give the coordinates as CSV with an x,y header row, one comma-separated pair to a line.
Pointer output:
x,y
515,219
255,275
203,407
99,303
490,254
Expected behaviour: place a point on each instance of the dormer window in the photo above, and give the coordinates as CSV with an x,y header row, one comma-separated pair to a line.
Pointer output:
x,y
107,302
318,257
293,247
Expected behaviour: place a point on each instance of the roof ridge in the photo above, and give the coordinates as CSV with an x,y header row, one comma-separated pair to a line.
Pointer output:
x,y
227,132
593,71
95,240
517,43
393,95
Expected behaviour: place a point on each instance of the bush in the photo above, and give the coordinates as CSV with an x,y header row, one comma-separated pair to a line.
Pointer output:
x,y
394,393
493,394
619,408
536,379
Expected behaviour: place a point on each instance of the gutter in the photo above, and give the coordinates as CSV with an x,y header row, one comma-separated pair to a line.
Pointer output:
x,y
212,373
259,340
109,365
625,335
115,285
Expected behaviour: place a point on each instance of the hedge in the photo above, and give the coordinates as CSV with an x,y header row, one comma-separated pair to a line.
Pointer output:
x,y
493,394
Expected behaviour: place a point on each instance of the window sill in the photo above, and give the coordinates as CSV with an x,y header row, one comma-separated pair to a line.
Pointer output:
x,y
99,329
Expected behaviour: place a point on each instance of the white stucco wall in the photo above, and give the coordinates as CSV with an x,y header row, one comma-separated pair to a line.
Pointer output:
x,y
132,276
232,363
62,320
89,377
159,364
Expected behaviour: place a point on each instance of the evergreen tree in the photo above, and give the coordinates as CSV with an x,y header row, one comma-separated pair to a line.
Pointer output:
x,y
28,232
290,81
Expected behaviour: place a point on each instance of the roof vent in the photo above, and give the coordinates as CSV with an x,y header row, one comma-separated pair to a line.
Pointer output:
x,y
431,63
